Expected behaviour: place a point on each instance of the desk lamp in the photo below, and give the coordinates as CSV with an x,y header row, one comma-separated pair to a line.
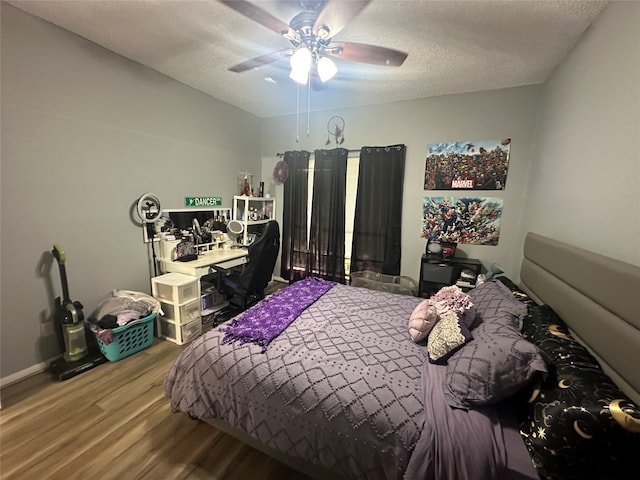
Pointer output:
x,y
149,210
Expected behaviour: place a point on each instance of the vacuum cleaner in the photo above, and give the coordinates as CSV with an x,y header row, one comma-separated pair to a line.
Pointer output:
x,y
79,352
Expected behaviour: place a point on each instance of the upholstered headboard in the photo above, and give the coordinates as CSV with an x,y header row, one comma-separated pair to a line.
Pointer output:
x,y
598,297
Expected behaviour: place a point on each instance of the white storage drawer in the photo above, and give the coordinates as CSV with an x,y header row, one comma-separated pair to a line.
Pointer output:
x,y
181,314
175,287
179,334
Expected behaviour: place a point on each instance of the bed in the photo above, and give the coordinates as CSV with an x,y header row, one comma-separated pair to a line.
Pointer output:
x,y
344,392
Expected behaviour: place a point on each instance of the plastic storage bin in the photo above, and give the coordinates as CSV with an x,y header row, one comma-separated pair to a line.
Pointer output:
x,y
180,334
175,287
402,285
129,339
181,313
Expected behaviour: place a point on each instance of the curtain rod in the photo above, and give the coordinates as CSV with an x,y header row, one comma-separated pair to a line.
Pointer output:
x,y
350,151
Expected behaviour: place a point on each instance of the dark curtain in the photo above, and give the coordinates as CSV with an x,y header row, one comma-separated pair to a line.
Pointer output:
x,y
326,242
377,228
294,262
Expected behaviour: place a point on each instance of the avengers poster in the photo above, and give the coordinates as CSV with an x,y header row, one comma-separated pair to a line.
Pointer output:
x,y
480,165
470,220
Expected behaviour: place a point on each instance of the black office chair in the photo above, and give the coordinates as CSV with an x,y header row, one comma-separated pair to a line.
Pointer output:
x,y
245,287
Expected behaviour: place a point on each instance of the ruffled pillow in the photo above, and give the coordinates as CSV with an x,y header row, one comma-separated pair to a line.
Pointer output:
x,y
454,299
422,320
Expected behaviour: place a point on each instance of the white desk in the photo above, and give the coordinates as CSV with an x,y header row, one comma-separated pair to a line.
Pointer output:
x,y
224,257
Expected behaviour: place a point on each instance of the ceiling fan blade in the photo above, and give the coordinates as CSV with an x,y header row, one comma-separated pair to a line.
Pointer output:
x,y
261,60
337,13
362,52
258,15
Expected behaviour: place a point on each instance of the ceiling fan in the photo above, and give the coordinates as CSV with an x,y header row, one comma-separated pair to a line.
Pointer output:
x,y
311,33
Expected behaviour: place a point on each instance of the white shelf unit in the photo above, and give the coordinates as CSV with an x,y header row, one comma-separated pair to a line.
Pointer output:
x,y
204,248
168,247
251,211
179,297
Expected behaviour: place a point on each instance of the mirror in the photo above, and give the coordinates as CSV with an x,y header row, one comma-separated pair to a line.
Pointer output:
x,y
192,220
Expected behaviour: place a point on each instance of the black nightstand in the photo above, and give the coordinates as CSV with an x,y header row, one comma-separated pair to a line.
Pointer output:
x,y
435,272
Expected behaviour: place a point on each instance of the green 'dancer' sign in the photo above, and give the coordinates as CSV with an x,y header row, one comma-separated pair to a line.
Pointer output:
x,y
202,201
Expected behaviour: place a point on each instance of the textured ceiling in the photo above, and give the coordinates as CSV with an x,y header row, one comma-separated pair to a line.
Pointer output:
x,y
453,46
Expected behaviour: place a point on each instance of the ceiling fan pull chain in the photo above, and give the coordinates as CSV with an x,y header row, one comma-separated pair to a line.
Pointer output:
x,y
297,112
308,104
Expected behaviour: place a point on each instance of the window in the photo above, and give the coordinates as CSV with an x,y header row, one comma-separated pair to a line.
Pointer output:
x,y
353,220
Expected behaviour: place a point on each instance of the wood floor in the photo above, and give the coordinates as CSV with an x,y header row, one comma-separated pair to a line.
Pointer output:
x,y
114,422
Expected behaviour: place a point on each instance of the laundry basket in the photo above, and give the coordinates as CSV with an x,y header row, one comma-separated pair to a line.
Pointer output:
x,y
402,285
132,337
129,339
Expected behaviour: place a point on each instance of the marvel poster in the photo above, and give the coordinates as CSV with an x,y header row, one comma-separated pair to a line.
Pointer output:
x,y
470,220
480,165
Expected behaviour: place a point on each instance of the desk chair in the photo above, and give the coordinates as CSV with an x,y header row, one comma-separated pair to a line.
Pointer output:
x,y
245,287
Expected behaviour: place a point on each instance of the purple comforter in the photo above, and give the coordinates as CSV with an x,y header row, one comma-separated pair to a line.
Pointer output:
x,y
344,387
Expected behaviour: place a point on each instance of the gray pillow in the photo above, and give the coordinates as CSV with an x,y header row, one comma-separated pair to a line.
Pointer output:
x,y
493,297
497,363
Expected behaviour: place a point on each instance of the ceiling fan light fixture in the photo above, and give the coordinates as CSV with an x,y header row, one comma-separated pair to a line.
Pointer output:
x,y
299,75
301,59
323,32
326,69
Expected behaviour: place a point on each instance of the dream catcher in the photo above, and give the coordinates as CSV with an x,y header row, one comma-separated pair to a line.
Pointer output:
x,y
335,127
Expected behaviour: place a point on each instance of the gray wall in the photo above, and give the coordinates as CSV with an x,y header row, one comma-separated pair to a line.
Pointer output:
x,y
476,116
85,132
584,184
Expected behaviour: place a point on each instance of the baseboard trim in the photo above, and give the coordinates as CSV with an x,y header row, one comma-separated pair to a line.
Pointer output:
x,y
26,373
